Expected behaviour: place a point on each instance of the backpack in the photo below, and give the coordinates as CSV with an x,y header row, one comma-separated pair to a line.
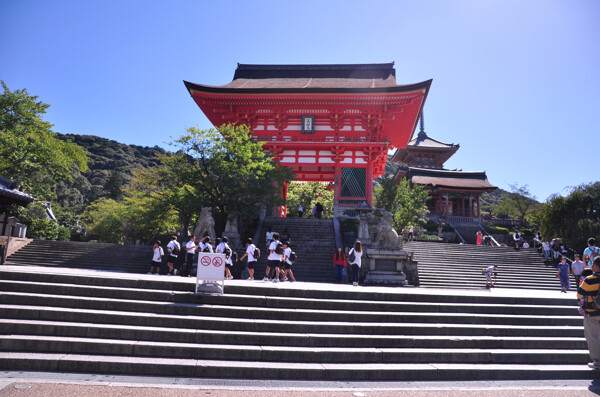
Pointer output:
x,y
350,257
256,253
227,252
292,256
279,248
175,250
206,248
234,256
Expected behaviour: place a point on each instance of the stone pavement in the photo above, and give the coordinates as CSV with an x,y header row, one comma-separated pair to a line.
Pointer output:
x,y
29,384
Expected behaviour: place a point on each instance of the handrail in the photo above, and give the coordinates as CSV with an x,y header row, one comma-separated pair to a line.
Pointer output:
x,y
339,241
258,231
496,243
456,231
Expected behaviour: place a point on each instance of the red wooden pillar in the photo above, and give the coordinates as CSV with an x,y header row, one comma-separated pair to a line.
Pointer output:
x,y
369,182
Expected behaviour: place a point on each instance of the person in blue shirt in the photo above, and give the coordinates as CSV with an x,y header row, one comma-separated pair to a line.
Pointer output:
x,y
563,274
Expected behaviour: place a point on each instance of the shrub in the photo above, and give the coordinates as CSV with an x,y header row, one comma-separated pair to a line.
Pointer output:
x,y
527,232
428,237
497,230
349,225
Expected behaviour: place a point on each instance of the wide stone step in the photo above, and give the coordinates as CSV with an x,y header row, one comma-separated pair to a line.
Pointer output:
x,y
184,335
286,354
291,370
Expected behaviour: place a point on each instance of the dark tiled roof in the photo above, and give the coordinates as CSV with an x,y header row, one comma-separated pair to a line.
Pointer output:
x,y
424,141
8,191
379,71
450,179
303,78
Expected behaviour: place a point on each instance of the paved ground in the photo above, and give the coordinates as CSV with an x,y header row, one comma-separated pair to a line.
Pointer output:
x,y
61,385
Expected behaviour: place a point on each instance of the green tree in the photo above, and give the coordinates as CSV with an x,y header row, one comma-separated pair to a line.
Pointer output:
x,y
406,202
573,218
225,169
308,194
519,202
29,150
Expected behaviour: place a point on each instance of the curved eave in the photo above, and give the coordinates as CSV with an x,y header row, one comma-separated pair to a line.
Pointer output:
x,y
424,85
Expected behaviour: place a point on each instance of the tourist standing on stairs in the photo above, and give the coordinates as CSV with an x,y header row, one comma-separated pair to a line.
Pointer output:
x,y
479,237
250,250
563,274
205,246
300,211
173,249
517,239
223,248
319,210
411,232
287,262
356,263
157,256
274,259
546,248
576,268
588,291
591,252
339,263
269,236
190,251
489,271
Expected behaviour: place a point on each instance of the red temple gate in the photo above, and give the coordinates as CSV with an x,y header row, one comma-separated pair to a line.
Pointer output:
x,y
329,123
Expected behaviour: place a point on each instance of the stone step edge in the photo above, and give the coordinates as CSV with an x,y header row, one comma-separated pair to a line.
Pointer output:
x,y
139,328
276,370
5,340
292,303
253,312
36,310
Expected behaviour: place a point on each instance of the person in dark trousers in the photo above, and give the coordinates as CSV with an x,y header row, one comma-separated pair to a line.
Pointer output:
x,y
588,291
173,249
190,251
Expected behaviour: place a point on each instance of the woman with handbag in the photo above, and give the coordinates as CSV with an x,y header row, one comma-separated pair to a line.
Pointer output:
x,y
354,259
339,263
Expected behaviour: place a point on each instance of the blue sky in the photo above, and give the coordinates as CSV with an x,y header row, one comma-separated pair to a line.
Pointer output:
x,y
515,83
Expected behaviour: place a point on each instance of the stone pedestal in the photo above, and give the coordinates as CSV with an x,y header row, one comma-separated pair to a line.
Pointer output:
x,y
390,267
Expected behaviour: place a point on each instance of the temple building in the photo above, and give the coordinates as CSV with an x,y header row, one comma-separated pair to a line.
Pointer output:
x,y
452,192
329,123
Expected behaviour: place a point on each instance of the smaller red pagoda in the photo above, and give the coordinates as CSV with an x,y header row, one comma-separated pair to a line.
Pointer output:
x,y
452,192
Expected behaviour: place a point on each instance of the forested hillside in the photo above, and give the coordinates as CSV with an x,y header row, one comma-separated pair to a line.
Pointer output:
x,y
110,168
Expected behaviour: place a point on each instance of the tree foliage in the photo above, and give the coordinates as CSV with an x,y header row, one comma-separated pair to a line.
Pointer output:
x,y
308,194
518,203
573,218
29,149
406,202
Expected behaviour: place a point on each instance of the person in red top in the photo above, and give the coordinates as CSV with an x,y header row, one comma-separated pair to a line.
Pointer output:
x,y
339,262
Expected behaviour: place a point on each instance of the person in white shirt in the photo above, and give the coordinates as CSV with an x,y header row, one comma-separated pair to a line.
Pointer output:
x,y
287,263
224,248
300,211
525,244
356,263
190,251
157,256
173,249
546,248
577,267
250,249
205,246
274,259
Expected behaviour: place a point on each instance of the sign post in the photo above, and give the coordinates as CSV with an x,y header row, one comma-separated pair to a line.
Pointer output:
x,y
211,267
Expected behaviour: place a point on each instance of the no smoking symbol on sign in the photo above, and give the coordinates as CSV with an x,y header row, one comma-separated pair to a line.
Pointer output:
x,y
205,261
217,262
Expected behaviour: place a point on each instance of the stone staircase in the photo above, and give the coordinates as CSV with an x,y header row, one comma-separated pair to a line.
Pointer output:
x,y
459,266
71,320
468,231
82,255
313,240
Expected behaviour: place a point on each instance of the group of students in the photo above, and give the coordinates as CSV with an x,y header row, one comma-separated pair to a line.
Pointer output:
x,y
280,257
341,261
